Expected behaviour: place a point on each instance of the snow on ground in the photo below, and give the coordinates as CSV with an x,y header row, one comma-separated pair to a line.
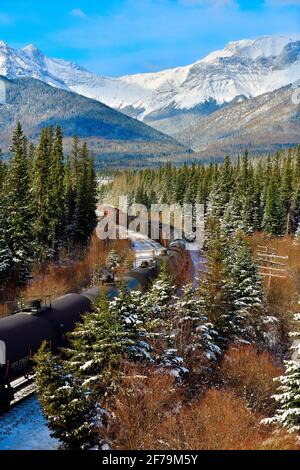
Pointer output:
x,y
24,428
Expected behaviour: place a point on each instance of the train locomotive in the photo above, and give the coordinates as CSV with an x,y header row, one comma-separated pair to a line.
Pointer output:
x,y
22,333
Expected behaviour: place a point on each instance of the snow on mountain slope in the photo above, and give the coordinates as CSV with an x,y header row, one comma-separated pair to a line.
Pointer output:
x,y
247,67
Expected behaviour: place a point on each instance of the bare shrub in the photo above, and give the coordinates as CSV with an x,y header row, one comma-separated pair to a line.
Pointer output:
x,y
220,421
250,374
145,399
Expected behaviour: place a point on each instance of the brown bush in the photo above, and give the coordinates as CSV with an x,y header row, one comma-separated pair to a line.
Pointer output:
x,y
250,374
145,399
149,414
220,421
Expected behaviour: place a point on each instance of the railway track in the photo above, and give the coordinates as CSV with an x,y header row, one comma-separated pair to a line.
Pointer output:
x,y
23,388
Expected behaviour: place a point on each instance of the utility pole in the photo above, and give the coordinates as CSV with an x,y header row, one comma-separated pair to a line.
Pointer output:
x,y
270,264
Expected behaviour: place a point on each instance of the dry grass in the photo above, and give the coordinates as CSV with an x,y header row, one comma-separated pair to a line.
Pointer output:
x,y
71,274
250,374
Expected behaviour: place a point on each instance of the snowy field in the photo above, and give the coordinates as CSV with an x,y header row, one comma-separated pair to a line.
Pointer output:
x,y
24,428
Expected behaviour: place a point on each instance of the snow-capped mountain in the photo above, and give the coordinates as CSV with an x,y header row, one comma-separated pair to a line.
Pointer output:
x,y
246,68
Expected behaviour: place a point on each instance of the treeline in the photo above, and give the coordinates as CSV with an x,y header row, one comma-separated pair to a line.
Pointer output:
x,y
47,202
248,194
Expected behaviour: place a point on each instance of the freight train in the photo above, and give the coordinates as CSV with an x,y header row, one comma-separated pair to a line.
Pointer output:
x,y
22,334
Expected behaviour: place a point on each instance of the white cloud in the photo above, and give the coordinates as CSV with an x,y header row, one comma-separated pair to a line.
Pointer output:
x,y
78,13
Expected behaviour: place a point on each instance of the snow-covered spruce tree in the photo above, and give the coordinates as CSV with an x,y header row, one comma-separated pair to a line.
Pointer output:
x,y
129,308
288,397
40,187
246,290
214,290
97,346
65,402
157,300
196,337
232,221
221,192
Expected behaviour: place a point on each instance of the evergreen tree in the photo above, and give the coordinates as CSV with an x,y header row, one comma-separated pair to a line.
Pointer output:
x,y
40,188
69,204
85,217
17,236
287,191
97,346
3,170
272,222
160,295
214,291
196,337
232,220
131,313
246,291
288,415
65,402
56,192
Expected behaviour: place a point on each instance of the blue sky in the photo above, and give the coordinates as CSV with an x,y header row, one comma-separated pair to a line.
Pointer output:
x,y
117,37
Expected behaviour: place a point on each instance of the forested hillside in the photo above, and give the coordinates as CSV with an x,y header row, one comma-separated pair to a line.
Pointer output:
x,y
111,135
249,194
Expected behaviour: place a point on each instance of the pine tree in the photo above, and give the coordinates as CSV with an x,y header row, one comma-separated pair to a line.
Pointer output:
x,y
287,191
160,295
288,397
17,211
97,346
5,252
56,192
221,192
66,404
232,221
246,291
40,189
3,170
84,214
69,204
214,290
196,337
273,214
128,308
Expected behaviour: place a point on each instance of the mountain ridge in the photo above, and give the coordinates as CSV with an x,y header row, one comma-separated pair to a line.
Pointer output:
x,y
246,67
109,133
